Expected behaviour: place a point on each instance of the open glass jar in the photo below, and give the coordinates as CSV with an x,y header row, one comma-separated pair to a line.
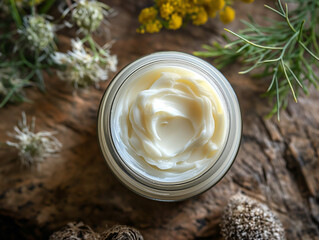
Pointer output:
x,y
141,179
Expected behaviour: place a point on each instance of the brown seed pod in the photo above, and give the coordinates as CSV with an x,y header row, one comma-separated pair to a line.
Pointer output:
x,y
75,231
245,218
121,232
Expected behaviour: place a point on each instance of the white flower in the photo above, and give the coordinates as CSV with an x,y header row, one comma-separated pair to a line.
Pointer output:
x,y
82,67
88,15
38,32
77,45
33,147
112,60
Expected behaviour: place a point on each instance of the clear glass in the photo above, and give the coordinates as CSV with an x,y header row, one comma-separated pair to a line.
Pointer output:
x,y
118,159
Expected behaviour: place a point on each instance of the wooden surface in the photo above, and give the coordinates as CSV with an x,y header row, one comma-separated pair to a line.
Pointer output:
x,y
277,163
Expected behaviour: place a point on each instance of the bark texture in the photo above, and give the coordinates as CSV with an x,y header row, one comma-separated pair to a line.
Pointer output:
x,y
278,162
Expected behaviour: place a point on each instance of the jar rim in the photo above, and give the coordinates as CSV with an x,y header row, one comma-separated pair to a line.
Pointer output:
x,y
159,190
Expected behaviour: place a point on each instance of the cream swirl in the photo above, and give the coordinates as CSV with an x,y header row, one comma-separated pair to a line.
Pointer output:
x,y
176,124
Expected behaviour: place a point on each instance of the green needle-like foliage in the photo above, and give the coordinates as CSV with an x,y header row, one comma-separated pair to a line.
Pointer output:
x,y
285,51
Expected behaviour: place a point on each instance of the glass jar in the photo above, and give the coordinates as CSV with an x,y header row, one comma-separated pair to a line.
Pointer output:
x,y
116,156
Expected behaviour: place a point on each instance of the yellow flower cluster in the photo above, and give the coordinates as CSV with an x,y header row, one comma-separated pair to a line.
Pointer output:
x,y
172,14
149,21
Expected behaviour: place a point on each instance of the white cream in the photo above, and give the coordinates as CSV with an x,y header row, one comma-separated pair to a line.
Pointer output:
x,y
171,121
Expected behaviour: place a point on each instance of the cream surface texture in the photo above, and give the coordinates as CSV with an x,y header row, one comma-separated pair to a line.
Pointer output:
x,y
171,122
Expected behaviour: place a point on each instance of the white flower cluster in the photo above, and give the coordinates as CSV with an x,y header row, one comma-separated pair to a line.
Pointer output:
x,y
33,147
88,15
38,32
82,67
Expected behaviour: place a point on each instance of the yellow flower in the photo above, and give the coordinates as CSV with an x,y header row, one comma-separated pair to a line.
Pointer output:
x,y
153,27
180,6
217,4
227,15
172,13
205,2
175,22
178,3
147,14
160,2
166,10
140,30
247,1
211,13
200,17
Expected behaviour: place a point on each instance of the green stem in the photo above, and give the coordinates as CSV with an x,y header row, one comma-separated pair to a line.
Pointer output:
x,y
251,43
92,45
287,44
273,77
287,19
277,98
15,13
286,75
12,91
33,8
25,61
266,6
46,7
311,53
10,64
314,39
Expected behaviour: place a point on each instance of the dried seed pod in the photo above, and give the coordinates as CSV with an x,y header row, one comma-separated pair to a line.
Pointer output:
x,y
75,231
245,218
121,232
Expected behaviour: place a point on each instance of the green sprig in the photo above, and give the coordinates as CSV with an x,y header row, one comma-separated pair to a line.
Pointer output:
x,y
278,50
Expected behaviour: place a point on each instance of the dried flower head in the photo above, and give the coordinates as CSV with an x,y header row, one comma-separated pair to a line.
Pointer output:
x,y
121,232
38,32
75,231
88,15
33,147
245,218
83,67
80,231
